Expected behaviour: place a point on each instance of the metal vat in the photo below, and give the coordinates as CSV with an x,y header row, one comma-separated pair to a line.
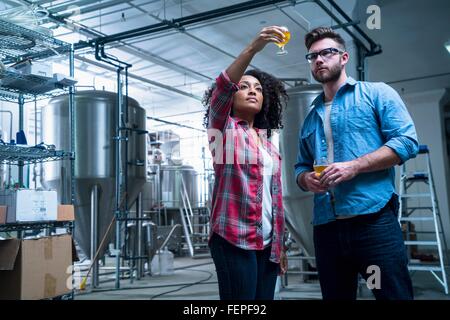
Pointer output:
x,y
171,179
298,204
95,125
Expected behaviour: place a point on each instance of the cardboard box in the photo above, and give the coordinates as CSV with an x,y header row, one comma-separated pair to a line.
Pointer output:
x,y
29,205
35,268
3,213
66,212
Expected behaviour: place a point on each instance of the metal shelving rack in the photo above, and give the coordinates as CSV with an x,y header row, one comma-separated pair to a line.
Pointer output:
x,y
17,44
13,154
36,225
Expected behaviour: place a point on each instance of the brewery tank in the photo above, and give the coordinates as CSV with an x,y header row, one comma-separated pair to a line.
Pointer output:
x,y
298,204
95,116
172,179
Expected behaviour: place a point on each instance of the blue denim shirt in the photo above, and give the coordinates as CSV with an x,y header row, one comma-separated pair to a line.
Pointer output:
x,y
364,117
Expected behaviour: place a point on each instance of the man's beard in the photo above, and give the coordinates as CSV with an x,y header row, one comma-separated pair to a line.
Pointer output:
x,y
332,74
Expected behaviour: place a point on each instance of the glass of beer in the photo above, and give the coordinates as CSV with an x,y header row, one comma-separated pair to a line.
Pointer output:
x,y
287,36
320,165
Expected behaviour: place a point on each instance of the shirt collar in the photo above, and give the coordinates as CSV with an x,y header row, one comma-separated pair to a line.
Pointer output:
x,y
319,99
241,121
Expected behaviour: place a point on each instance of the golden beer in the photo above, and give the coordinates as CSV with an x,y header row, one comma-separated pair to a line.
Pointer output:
x,y
287,37
318,169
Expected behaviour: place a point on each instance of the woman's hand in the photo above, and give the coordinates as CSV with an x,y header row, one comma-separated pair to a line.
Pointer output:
x,y
266,35
283,262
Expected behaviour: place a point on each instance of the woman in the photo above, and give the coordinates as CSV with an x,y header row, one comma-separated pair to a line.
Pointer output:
x,y
247,218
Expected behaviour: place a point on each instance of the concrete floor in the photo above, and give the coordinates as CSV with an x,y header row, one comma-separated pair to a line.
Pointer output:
x,y
188,271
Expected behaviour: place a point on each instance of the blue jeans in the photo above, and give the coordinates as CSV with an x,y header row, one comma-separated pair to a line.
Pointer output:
x,y
243,274
348,247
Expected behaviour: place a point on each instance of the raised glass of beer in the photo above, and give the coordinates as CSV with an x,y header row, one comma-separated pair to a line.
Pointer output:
x,y
287,36
320,165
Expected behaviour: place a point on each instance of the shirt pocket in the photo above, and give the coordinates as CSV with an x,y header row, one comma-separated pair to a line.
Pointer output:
x,y
309,137
358,118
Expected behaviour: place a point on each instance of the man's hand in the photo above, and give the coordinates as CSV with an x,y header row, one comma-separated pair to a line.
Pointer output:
x,y
312,182
339,172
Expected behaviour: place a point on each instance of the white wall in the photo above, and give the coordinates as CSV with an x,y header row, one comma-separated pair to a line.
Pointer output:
x,y
415,63
426,112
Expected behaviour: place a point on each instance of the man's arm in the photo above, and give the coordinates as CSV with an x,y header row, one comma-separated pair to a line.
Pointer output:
x,y
380,159
398,131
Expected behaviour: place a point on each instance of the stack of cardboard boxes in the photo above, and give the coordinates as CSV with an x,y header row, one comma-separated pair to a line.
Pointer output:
x,y
37,268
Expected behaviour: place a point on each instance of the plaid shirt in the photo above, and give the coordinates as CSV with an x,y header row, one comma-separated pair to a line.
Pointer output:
x,y
238,190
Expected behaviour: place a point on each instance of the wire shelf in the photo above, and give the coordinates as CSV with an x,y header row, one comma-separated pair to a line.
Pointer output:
x,y
35,225
12,154
12,95
28,85
19,43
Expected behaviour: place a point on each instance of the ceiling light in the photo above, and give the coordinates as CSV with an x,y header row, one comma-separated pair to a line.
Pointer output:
x,y
447,46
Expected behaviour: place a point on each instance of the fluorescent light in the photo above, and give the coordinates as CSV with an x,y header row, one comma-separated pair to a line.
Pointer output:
x,y
447,46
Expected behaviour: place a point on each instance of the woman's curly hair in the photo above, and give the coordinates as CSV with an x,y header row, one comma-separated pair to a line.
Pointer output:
x,y
274,97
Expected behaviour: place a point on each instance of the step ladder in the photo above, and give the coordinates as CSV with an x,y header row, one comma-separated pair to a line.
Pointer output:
x,y
195,221
411,211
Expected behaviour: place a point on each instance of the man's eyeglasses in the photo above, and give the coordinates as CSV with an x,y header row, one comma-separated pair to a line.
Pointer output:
x,y
324,53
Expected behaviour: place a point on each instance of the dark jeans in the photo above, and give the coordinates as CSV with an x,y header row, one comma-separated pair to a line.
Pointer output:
x,y
243,274
362,244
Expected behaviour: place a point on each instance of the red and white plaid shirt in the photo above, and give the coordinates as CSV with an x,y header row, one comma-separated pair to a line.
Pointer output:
x,y
238,164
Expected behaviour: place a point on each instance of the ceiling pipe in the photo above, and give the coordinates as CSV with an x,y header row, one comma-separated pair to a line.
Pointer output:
x,y
363,51
142,79
179,23
175,124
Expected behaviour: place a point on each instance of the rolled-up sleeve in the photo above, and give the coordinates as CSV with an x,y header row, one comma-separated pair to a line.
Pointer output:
x,y
221,101
305,159
397,125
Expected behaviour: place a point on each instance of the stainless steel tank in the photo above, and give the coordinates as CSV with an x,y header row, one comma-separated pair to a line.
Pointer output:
x,y
95,125
298,204
149,195
171,178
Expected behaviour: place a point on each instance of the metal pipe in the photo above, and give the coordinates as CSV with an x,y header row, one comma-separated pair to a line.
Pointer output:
x,y
118,177
94,234
420,78
66,8
10,123
175,124
335,18
9,175
117,252
142,79
187,33
118,172
363,51
21,116
35,174
72,122
139,52
112,12
373,45
139,214
180,22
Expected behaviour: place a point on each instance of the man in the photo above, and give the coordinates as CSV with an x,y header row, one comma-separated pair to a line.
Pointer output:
x,y
363,129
